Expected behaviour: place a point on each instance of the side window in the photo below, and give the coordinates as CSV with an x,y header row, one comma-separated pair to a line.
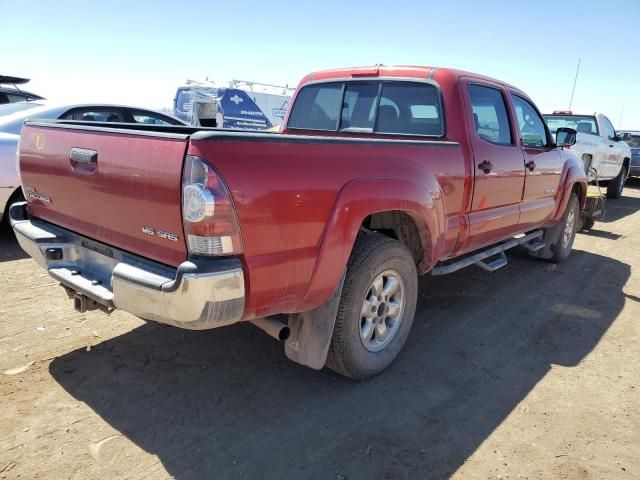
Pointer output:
x,y
358,106
141,116
490,117
409,109
67,115
532,130
317,107
15,98
609,130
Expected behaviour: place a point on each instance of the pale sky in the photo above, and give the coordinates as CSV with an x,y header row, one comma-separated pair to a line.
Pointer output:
x,y
138,52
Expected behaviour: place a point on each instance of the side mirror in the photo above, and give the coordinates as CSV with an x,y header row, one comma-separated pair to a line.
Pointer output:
x,y
625,136
565,137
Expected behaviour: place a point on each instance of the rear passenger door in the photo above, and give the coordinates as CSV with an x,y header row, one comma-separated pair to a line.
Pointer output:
x,y
543,164
498,164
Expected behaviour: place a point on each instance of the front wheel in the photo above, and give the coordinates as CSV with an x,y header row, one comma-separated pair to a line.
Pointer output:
x,y
615,186
376,309
559,238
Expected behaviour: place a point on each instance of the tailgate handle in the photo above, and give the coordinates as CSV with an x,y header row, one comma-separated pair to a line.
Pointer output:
x,y
83,155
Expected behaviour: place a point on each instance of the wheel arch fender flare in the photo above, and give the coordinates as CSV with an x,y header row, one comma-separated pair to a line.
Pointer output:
x,y
421,198
573,176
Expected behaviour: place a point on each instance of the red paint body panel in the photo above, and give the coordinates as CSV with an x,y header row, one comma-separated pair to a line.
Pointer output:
x,y
301,196
136,183
300,205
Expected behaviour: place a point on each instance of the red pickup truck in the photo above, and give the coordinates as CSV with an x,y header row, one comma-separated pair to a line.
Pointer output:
x,y
317,234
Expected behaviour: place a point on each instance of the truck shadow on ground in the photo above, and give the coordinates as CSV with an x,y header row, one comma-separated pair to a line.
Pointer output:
x,y
227,404
9,248
616,209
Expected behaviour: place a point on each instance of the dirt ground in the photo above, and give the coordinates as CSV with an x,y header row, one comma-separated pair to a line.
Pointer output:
x,y
529,372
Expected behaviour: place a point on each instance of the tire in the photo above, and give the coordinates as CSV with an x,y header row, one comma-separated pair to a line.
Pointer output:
x,y
558,245
14,198
615,186
359,347
586,162
587,223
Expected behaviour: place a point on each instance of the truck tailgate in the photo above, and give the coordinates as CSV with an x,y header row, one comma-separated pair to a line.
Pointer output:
x,y
115,186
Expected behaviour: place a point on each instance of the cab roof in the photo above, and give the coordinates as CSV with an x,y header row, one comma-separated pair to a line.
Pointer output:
x,y
406,71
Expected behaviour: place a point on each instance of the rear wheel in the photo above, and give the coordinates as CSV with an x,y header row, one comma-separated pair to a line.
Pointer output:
x,y
14,198
615,186
376,309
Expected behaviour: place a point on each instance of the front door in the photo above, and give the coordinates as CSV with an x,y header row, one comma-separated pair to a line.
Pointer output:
x,y
498,165
543,164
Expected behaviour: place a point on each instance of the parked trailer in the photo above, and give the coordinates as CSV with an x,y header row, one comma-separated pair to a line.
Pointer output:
x,y
240,105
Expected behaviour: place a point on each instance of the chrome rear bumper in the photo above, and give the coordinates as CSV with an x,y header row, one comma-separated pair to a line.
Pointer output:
x,y
200,294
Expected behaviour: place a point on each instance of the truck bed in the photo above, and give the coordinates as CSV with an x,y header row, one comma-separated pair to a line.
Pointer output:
x,y
285,189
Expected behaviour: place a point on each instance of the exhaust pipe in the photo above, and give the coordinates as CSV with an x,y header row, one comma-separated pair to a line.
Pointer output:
x,y
275,328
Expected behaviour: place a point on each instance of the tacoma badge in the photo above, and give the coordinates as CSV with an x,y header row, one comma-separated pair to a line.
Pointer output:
x,y
160,233
31,192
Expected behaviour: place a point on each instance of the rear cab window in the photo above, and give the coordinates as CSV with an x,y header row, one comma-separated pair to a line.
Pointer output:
x,y
392,107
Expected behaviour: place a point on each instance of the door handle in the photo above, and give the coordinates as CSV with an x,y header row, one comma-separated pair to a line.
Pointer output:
x,y
83,155
531,165
486,166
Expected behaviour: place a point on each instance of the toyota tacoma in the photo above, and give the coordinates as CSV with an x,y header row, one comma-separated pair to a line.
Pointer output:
x,y
317,234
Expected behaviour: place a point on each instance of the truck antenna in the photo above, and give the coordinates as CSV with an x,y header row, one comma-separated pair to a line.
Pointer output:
x,y
574,84
620,119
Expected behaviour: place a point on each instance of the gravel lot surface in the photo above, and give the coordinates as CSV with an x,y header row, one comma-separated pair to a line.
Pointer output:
x,y
532,371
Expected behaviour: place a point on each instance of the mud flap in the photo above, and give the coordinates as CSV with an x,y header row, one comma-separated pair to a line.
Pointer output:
x,y
551,238
311,332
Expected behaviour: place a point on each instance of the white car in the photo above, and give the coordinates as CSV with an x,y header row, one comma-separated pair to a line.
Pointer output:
x,y
599,147
13,115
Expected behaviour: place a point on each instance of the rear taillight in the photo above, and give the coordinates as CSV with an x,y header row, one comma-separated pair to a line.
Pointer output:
x,y
209,218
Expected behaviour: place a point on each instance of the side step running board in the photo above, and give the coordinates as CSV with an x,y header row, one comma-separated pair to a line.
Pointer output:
x,y
493,257
494,263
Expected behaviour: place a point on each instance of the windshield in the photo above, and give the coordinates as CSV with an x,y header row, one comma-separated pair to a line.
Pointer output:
x,y
580,123
12,123
634,141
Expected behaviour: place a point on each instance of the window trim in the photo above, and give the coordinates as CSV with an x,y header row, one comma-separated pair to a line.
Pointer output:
x,y
380,80
507,110
550,140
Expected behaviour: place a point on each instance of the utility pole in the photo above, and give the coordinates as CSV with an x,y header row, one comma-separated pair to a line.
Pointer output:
x,y
574,84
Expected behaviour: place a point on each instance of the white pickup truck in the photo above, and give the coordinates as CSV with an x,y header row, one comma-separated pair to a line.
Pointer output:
x,y
599,147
